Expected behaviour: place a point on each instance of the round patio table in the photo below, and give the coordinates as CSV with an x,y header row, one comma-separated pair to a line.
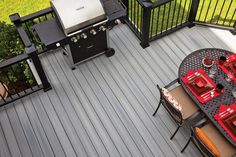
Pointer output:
x,y
194,61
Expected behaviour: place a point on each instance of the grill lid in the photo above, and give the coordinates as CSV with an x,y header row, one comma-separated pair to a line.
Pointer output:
x,y
76,14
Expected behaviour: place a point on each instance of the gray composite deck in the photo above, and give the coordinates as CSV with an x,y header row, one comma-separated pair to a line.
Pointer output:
x,y
104,107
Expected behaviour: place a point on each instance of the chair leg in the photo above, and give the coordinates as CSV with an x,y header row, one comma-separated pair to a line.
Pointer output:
x,y
157,109
175,132
186,145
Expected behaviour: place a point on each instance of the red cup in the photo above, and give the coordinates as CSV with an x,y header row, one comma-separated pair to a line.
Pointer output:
x,y
207,62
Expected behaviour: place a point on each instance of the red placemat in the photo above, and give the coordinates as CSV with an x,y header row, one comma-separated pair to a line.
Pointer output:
x,y
229,66
203,91
226,117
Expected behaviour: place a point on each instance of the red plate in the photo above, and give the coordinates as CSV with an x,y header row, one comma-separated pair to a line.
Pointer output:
x,y
200,85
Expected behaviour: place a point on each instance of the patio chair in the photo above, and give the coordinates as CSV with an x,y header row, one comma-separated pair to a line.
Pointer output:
x,y
177,103
209,141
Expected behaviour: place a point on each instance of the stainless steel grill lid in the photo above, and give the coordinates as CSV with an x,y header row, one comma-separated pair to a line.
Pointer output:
x,y
76,14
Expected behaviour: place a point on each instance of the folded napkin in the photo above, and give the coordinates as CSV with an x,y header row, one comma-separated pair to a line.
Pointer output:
x,y
226,117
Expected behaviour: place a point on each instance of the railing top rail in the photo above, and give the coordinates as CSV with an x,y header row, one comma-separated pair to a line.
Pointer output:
x,y
150,4
14,60
145,3
160,2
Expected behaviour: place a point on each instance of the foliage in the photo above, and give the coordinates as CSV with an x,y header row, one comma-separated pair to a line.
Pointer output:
x,y
9,41
10,46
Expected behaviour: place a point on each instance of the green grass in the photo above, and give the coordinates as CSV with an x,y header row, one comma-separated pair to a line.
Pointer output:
x,y
23,7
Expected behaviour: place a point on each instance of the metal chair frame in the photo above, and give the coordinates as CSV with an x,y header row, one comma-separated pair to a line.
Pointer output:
x,y
175,114
197,142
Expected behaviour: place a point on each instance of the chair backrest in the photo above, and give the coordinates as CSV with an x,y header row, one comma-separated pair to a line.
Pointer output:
x,y
200,145
171,109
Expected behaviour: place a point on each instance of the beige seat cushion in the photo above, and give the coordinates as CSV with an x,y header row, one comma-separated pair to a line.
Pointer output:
x,y
225,148
171,99
188,106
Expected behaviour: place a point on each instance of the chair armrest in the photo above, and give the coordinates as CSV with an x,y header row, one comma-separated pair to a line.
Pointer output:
x,y
201,122
169,85
172,83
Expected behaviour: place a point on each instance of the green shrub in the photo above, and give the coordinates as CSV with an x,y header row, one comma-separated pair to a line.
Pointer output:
x,y
18,75
10,44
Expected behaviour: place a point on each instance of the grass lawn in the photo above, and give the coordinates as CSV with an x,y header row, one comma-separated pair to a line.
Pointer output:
x,y
23,7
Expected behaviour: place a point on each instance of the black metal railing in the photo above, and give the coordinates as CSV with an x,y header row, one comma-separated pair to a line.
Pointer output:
x,y
25,26
18,80
153,19
218,13
23,74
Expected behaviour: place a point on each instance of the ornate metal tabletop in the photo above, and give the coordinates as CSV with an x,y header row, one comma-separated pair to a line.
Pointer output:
x,y
194,62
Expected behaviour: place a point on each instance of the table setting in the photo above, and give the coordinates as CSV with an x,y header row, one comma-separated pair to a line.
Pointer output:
x,y
226,117
209,77
203,88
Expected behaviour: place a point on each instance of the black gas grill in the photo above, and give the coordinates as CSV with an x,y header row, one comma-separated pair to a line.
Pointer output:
x,y
81,28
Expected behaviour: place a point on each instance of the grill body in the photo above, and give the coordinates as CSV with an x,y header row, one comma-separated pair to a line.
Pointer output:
x,y
81,28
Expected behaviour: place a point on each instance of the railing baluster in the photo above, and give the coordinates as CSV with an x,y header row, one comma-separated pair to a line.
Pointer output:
x,y
178,14
163,18
131,12
135,13
168,16
173,15
183,12
227,11
152,24
188,11
220,12
199,15
158,13
213,14
139,21
208,8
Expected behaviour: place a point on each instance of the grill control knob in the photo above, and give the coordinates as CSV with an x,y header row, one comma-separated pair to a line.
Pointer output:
x,y
84,36
102,28
73,39
117,21
93,32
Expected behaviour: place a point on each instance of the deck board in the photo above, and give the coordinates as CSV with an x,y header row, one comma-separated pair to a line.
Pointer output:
x,y
104,107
